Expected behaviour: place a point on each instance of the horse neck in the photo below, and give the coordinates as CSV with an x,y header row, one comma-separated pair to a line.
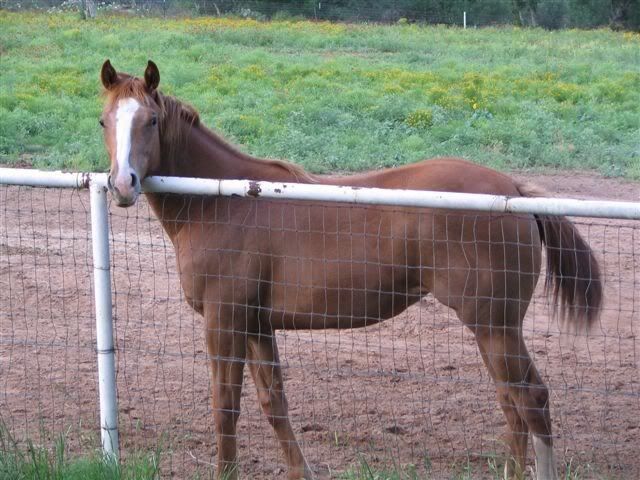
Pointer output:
x,y
204,154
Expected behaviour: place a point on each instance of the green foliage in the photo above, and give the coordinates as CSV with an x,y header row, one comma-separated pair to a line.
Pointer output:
x,y
365,472
550,14
421,119
332,97
35,462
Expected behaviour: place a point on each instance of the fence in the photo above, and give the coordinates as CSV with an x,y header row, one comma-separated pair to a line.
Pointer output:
x,y
409,394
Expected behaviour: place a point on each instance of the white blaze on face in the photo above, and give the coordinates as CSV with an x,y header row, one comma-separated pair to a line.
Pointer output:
x,y
127,109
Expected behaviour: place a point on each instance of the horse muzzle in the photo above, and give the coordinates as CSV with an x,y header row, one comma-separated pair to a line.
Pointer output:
x,y
124,189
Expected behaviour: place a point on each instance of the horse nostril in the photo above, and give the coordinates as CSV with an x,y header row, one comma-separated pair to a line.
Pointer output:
x,y
134,180
109,184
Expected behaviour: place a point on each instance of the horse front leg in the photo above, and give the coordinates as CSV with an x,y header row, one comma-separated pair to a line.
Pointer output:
x,y
264,364
227,352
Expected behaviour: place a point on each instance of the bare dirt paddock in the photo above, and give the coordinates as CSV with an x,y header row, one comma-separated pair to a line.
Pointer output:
x,y
411,391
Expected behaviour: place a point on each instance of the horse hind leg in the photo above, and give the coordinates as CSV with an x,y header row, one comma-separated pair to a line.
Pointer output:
x,y
518,434
264,364
522,394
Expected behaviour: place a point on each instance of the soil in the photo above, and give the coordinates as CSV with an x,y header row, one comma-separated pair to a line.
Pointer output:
x,y
409,393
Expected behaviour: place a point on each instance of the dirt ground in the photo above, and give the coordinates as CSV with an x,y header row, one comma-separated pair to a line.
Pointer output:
x,y
410,391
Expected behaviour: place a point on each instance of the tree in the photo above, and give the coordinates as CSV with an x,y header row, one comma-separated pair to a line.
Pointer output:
x,y
620,12
88,9
526,10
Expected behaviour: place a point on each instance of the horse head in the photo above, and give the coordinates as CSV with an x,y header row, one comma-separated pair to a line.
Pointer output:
x,y
130,121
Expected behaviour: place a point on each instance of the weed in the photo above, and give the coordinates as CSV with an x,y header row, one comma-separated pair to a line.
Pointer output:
x,y
27,461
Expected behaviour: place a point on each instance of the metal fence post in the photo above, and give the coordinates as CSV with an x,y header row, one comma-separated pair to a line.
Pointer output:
x,y
104,324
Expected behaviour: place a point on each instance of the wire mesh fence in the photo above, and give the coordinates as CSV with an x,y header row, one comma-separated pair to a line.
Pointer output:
x,y
407,394
47,353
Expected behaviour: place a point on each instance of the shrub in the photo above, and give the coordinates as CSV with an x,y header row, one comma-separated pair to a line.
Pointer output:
x,y
421,119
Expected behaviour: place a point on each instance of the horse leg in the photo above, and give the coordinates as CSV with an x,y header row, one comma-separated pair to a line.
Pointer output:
x,y
518,429
522,394
265,369
227,350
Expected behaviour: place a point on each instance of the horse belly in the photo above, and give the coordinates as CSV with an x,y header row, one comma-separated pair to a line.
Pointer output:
x,y
344,267
355,299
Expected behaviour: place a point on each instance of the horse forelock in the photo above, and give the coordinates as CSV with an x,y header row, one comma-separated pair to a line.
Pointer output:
x,y
128,87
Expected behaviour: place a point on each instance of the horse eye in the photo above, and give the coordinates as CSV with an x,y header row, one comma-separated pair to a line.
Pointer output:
x,y
101,122
154,121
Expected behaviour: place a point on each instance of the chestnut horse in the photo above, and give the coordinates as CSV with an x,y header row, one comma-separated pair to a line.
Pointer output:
x,y
253,266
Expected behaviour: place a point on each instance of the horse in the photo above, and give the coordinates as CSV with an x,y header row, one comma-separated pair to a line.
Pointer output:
x,y
253,266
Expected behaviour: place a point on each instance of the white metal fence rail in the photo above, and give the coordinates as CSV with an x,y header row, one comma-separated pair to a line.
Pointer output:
x,y
96,183
331,193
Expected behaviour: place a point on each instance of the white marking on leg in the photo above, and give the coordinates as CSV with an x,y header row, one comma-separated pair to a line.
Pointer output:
x,y
127,109
545,462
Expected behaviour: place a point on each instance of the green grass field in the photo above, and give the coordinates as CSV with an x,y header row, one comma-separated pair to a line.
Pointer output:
x,y
333,97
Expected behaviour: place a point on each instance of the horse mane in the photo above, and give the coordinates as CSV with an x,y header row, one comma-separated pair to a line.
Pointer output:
x,y
299,173
177,118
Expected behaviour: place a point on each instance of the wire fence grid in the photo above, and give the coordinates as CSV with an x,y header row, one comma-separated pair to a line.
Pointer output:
x,y
410,393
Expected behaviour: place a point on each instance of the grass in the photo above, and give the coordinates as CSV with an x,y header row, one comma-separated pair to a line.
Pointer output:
x,y
35,462
28,461
333,97
459,471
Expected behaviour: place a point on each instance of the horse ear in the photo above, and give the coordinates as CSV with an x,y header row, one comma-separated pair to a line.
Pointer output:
x,y
108,75
152,76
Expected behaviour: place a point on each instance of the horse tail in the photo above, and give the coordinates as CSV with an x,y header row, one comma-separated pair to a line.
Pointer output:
x,y
573,274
